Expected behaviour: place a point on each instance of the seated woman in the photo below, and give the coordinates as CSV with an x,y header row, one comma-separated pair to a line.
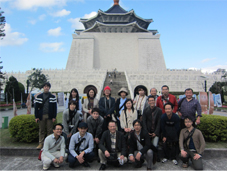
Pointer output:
x,y
128,115
70,121
89,103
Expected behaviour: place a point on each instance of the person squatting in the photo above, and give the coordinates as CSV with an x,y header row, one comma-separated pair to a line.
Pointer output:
x,y
125,131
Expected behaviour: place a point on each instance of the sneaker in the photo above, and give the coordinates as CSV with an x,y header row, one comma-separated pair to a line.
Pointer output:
x,y
164,160
56,165
185,165
175,162
45,167
40,146
102,167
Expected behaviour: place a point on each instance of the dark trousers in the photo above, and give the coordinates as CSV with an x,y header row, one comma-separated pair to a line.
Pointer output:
x,y
106,122
197,164
74,162
182,125
170,150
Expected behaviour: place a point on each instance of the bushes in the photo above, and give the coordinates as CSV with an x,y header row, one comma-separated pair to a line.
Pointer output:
x,y
213,127
24,128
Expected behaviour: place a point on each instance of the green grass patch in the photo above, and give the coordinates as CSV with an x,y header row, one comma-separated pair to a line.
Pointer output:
x,y
216,144
7,141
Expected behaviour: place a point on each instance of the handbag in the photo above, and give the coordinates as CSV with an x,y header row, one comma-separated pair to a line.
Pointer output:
x,y
40,153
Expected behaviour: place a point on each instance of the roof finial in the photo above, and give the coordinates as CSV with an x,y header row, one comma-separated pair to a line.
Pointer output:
x,y
116,2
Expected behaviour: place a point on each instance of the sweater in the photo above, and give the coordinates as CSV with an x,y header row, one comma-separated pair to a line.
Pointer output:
x,y
172,99
85,104
39,107
95,126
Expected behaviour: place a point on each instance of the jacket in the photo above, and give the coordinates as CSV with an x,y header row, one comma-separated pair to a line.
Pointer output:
x,y
95,128
144,139
117,108
172,99
143,103
75,121
130,119
197,138
147,120
105,143
39,107
104,111
85,104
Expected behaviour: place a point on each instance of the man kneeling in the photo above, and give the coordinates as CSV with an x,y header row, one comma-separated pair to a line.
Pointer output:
x,y
112,147
81,147
192,145
54,148
140,146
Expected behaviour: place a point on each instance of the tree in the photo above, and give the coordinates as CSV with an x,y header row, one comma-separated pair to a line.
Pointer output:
x,y
2,77
22,90
218,88
12,87
37,79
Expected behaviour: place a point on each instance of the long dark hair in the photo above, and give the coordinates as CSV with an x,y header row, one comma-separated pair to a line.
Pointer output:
x,y
89,91
125,105
77,97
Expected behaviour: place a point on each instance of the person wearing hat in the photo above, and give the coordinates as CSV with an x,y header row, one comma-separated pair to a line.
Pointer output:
x,y
119,105
106,107
81,147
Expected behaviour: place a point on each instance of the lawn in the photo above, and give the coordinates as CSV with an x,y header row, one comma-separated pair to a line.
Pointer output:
x,y
7,141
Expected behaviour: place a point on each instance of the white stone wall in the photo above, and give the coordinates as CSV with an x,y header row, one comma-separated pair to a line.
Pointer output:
x,y
124,51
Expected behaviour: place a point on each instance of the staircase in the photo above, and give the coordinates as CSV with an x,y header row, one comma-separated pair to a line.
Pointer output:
x,y
118,83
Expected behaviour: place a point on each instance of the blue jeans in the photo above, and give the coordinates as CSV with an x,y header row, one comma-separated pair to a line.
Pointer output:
x,y
74,162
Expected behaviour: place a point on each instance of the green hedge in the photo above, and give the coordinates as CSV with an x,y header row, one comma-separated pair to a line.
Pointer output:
x,y
213,127
24,128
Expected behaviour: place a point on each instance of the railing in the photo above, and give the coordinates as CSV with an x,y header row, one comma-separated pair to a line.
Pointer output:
x,y
129,85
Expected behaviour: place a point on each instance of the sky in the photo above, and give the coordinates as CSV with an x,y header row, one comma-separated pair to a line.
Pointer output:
x,y
39,32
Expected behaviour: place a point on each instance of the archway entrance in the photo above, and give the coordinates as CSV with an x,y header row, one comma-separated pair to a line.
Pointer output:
x,y
89,87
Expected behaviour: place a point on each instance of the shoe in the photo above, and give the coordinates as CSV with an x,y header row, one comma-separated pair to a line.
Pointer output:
x,y
40,146
102,167
45,167
56,165
164,160
175,162
149,169
185,165
85,164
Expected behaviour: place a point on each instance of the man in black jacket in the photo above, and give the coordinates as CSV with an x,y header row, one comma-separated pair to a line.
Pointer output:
x,y
45,113
140,145
112,147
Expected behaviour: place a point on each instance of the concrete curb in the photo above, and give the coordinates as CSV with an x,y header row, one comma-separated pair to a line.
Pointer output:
x,y
33,152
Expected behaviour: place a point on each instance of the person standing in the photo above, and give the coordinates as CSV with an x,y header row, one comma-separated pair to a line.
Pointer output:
x,y
45,113
192,145
74,95
170,126
153,92
89,103
166,98
188,106
54,148
106,107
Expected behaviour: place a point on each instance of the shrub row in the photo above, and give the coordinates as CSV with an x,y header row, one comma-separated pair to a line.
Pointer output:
x,y
213,127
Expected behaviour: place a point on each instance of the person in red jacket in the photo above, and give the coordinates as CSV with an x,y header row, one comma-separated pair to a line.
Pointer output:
x,y
166,98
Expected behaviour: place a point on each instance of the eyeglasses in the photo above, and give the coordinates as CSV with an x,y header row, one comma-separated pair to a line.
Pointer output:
x,y
58,129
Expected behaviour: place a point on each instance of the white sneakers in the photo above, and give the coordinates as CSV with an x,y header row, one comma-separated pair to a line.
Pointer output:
x,y
56,165
45,167
165,160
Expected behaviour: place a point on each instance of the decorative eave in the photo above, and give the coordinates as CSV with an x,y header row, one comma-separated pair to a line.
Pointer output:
x,y
116,28
117,18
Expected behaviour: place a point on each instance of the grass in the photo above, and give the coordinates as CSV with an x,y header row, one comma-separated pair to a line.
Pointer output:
x,y
7,141
9,107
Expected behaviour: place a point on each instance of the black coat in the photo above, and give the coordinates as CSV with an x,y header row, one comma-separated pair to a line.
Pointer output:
x,y
105,143
147,120
144,140
104,111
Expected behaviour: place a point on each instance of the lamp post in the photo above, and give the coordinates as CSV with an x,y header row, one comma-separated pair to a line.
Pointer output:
x,y
205,82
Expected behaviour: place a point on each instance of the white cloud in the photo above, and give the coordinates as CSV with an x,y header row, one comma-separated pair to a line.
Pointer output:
x,y
42,17
54,32
78,25
34,4
208,59
213,68
33,22
51,47
61,13
12,38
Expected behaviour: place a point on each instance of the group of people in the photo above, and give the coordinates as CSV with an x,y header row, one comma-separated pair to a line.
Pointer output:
x,y
121,131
